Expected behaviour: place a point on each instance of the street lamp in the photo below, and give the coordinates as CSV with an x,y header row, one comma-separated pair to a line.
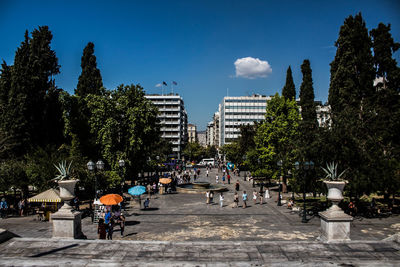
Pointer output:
x,y
92,167
280,164
308,165
121,164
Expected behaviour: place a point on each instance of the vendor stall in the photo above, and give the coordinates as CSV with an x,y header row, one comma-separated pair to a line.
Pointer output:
x,y
50,200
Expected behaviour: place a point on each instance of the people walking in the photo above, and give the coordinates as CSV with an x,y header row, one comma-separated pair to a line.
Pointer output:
x,y
229,179
207,172
244,197
267,196
221,200
223,179
3,208
261,197
211,196
237,185
236,200
101,229
255,197
216,179
208,197
21,206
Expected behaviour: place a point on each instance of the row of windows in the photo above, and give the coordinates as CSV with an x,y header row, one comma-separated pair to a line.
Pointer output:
x,y
244,113
245,107
245,101
244,120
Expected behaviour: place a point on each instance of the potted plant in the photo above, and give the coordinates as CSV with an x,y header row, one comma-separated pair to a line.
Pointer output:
x,y
334,182
65,180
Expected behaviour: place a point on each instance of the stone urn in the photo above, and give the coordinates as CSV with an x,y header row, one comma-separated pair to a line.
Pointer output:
x,y
335,224
67,191
66,222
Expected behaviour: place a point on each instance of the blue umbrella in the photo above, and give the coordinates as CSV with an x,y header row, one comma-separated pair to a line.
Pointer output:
x,y
137,190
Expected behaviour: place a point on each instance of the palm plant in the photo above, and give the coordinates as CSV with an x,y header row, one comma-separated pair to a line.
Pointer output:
x,y
64,171
331,172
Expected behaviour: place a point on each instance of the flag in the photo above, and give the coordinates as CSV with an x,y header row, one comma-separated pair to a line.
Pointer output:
x,y
158,85
174,83
164,83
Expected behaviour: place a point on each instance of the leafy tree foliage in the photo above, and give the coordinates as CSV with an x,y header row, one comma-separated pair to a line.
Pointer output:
x,y
275,138
193,152
289,90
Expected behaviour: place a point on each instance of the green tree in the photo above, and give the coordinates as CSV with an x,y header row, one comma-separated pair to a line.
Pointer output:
x,y
90,80
384,136
193,152
351,96
289,90
275,138
307,146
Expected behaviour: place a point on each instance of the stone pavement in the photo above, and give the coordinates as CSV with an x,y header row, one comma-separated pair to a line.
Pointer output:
x,y
182,229
53,252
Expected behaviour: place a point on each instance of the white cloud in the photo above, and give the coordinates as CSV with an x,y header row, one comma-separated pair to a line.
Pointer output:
x,y
251,68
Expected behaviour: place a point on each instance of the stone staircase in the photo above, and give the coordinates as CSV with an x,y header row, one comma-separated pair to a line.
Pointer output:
x,y
66,252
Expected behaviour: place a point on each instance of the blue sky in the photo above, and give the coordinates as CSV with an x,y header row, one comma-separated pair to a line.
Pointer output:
x,y
195,43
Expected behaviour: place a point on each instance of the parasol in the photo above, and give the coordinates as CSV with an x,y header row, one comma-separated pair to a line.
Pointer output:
x,y
111,199
165,180
137,190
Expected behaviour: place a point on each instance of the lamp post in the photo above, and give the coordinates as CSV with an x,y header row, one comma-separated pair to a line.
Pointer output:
x,y
121,164
280,164
92,167
308,165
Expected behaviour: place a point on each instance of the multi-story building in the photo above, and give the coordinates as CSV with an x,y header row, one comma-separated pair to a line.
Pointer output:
x,y
239,110
173,120
210,134
192,133
216,128
201,138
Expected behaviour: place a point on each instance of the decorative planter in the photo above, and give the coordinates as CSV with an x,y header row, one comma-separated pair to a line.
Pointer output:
x,y
67,189
335,224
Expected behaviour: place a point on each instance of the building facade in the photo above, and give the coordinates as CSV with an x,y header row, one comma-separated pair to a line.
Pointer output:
x,y
192,133
235,111
201,138
173,120
210,134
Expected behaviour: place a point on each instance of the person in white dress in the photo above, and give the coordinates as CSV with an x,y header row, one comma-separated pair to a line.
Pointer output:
x,y
221,200
267,194
216,179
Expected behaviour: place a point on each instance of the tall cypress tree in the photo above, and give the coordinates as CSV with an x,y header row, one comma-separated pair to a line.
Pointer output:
x,y
90,81
308,126
351,96
385,135
289,90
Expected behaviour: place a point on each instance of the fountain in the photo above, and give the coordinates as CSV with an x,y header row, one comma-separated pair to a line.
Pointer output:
x,y
200,187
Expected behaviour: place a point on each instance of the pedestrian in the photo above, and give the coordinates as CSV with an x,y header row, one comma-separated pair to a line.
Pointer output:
x,y
101,229
110,229
208,197
3,208
207,172
146,203
107,218
229,179
267,196
216,178
211,196
21,206
221,200
223,179
255,197
261,197
237,185
236,200
154,188
244,197
76,203
149,190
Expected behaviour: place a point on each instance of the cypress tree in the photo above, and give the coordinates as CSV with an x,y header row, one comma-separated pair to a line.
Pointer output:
x,y
385,136
289,90
90,81
308,126
351,96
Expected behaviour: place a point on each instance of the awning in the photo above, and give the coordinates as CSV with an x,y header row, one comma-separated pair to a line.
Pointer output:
x,y
51,195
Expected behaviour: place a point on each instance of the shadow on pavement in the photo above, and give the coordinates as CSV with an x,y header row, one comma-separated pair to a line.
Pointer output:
x,y
131,222
53,251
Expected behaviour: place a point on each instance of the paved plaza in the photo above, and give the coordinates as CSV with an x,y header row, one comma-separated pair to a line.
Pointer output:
x,y
182,227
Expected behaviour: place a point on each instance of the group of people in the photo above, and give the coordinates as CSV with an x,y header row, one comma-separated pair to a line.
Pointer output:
x,y
260,196
111,218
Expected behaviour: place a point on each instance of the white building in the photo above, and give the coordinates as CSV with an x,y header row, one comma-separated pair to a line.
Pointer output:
x,y
210,134
173,119
201,138
235,111
192,133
